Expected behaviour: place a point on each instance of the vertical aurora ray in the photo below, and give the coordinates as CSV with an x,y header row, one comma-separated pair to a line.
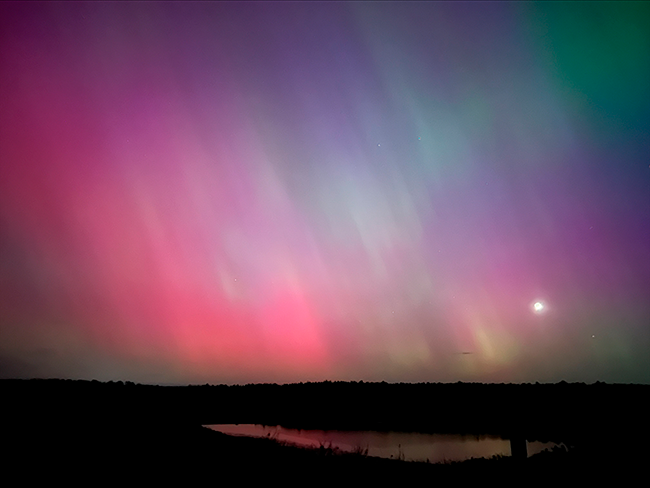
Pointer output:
x,y
289,192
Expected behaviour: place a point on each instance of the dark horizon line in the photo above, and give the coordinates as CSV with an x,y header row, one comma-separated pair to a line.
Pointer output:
x,y
356,382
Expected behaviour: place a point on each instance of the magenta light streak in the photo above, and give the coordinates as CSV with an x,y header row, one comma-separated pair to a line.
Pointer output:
x,y
237,192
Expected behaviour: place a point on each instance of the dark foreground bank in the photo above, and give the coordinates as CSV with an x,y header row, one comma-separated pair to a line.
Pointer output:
x,y
81,432
196,456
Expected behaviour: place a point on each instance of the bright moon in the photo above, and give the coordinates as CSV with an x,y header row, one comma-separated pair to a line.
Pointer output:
x,y
538,307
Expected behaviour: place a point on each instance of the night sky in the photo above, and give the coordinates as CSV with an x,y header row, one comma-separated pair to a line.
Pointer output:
x,y
281,191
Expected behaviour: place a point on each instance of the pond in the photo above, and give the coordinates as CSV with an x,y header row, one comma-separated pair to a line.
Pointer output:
x,y
434,448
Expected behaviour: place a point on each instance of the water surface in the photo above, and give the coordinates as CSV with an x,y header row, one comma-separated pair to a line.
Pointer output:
x,y
408,446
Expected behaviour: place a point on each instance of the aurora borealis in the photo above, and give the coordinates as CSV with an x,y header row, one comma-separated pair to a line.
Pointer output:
x,y
300,191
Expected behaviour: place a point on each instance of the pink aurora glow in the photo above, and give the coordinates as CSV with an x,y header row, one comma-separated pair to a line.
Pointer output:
x,y
234,193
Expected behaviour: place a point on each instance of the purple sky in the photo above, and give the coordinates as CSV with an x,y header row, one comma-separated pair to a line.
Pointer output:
x,y
299,191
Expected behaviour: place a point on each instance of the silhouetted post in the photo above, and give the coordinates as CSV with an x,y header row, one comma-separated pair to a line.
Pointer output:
x,y
518,448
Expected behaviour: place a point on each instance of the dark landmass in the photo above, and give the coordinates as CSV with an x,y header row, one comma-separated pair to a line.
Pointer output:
x,y
66,429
